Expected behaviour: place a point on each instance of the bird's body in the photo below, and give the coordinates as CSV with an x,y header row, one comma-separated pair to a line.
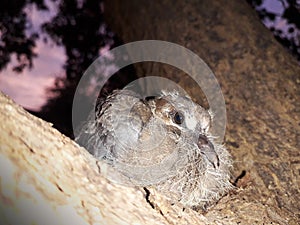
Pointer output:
x,y
161,141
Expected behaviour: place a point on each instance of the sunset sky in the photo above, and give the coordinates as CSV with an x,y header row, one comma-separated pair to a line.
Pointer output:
x,y
29,87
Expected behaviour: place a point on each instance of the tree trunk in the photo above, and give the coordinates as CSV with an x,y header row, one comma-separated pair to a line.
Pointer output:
x,y
46,178
260,83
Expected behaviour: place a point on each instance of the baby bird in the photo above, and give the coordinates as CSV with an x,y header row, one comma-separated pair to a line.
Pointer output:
x,y
160,141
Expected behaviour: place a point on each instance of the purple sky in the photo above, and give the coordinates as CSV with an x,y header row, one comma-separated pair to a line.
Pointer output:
x,y
29,87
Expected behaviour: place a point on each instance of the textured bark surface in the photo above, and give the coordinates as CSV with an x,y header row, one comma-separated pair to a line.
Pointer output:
x,y
260,82
45,178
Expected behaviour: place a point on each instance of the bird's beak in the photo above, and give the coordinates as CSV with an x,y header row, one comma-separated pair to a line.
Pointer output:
x,y
208,150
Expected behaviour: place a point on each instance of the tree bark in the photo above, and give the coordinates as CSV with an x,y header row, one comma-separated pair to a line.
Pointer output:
x,y
260,82
46,178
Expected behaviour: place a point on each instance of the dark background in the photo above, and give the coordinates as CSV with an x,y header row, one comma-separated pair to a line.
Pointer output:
x,y
79,27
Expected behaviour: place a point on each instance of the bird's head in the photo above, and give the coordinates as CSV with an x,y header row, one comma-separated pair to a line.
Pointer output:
x,y
187,120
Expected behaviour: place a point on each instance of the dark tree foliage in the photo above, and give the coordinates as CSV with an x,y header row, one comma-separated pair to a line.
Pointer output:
x,y
291,13
79,27
13,39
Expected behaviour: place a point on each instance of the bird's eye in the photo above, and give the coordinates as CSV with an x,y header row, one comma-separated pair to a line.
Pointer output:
x,y
178,118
